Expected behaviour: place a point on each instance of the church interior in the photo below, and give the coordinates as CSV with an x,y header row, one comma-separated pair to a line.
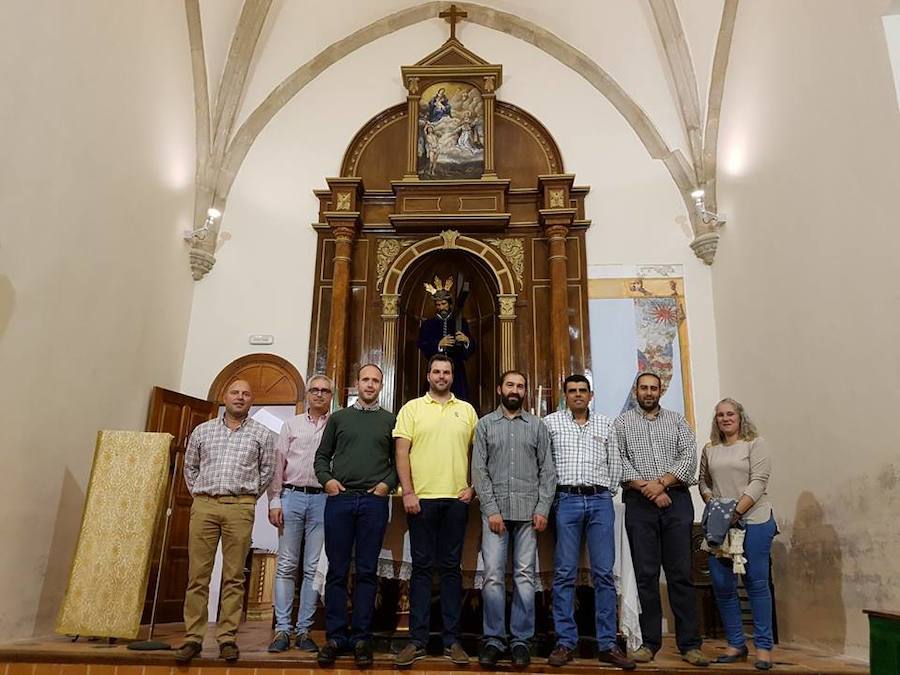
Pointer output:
x,y
196,190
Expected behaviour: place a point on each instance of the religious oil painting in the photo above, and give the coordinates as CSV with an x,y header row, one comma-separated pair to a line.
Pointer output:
x,y
451,132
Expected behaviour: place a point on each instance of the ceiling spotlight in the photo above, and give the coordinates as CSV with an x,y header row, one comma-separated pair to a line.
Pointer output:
x,y
697,194
213,213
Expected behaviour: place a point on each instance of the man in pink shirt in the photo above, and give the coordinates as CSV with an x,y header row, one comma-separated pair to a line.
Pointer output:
x,y
297,509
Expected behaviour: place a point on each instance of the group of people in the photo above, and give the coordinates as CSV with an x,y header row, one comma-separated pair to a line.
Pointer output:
x,y
329,477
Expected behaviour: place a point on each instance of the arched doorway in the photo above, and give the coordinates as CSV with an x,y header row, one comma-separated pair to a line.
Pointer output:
x,y
480,312
274,380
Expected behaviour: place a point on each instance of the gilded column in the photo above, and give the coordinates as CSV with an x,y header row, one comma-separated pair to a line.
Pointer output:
x,y
412,144
489,97
340,303
345,222
389,315
556,218
507,334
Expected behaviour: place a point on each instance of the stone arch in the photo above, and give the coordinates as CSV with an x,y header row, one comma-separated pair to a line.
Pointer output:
x,y
221,169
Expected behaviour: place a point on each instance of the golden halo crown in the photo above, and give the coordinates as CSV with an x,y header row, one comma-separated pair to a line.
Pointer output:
x,y
439,286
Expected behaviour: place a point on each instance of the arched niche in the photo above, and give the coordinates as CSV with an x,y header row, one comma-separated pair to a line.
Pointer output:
x,y
527,148
273,379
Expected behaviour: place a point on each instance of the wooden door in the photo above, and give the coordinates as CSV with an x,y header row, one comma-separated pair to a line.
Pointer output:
x,y
176,414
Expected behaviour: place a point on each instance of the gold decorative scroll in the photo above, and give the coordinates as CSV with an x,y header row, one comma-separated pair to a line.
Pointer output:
x,y
514,252
386,253
108,581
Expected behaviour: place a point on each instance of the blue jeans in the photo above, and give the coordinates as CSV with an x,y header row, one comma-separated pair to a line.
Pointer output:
x,y
579,517
303,525
494,548
436,537
757,548
352,520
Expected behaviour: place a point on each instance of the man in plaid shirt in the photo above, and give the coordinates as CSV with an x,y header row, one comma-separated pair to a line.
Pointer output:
x,y
659,458
228,464
589,468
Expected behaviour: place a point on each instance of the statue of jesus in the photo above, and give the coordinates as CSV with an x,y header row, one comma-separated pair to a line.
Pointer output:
x,y
447,332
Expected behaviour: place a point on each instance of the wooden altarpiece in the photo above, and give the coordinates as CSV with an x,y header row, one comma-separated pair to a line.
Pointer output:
x,y
452,181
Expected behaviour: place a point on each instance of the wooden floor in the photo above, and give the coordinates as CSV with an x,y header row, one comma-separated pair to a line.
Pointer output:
x,y
60,656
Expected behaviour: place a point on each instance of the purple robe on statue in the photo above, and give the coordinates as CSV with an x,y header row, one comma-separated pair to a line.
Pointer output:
x,y
431,332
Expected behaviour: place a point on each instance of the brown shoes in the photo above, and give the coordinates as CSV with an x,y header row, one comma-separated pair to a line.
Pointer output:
x,y
642,655
560,656
695,657
456,654
188,651
229,651
616,657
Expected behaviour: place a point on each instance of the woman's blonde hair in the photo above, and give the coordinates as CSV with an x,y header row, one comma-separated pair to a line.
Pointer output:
x,y
747,431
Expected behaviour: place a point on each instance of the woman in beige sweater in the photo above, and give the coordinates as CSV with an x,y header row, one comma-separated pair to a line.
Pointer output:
x,y
736,464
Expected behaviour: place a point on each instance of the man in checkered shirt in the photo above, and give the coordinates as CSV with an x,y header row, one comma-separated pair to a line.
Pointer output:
x,y
589,468
228,464
659,459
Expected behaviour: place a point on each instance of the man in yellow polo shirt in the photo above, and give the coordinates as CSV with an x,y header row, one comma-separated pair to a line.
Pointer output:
x,y
434,438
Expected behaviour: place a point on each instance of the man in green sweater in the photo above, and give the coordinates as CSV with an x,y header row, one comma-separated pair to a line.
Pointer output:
x,y
355,465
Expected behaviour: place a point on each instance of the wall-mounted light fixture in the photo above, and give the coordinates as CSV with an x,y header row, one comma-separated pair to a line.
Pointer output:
x,y
707,217
212,215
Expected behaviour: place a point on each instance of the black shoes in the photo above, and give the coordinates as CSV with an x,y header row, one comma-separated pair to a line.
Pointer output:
x,y
520,656
362,654
762,665
616,657
488,656
328,653
733,658
188,651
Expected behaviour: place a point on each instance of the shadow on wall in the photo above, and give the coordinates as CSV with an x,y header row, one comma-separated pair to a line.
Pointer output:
x,y
809,580
7,302
59,558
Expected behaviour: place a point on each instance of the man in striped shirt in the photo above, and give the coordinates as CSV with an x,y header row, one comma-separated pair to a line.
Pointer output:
x,y
297,509
659,456
513,473
228,464
589,469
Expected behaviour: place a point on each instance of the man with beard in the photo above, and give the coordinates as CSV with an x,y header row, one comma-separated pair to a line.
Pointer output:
x,y
659,457
513,473
589,468
441,335
355,465
433,437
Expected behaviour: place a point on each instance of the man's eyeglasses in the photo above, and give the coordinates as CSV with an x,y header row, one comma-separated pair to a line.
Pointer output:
x,y
315,391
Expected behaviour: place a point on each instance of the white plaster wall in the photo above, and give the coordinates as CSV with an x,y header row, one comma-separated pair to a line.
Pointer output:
x,y
806,298
637,212
96,127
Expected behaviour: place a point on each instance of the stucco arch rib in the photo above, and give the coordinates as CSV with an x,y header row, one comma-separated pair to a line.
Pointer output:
x,y
504,22
502,272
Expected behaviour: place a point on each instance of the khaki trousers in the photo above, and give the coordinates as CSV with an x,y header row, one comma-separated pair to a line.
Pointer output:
x,y
213,518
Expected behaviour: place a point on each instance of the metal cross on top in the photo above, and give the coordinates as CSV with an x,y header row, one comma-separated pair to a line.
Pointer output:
x,y
452,16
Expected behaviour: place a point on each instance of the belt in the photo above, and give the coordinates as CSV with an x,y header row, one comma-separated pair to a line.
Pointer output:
x,y
303,488
586,490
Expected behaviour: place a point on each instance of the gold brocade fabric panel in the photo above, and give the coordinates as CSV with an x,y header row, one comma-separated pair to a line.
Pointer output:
x,y
127,490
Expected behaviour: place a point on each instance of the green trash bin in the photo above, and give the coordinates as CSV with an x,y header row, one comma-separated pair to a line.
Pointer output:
x,y
884,642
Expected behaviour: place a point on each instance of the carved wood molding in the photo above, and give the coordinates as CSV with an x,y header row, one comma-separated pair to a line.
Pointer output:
x,y
385,254
514,252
